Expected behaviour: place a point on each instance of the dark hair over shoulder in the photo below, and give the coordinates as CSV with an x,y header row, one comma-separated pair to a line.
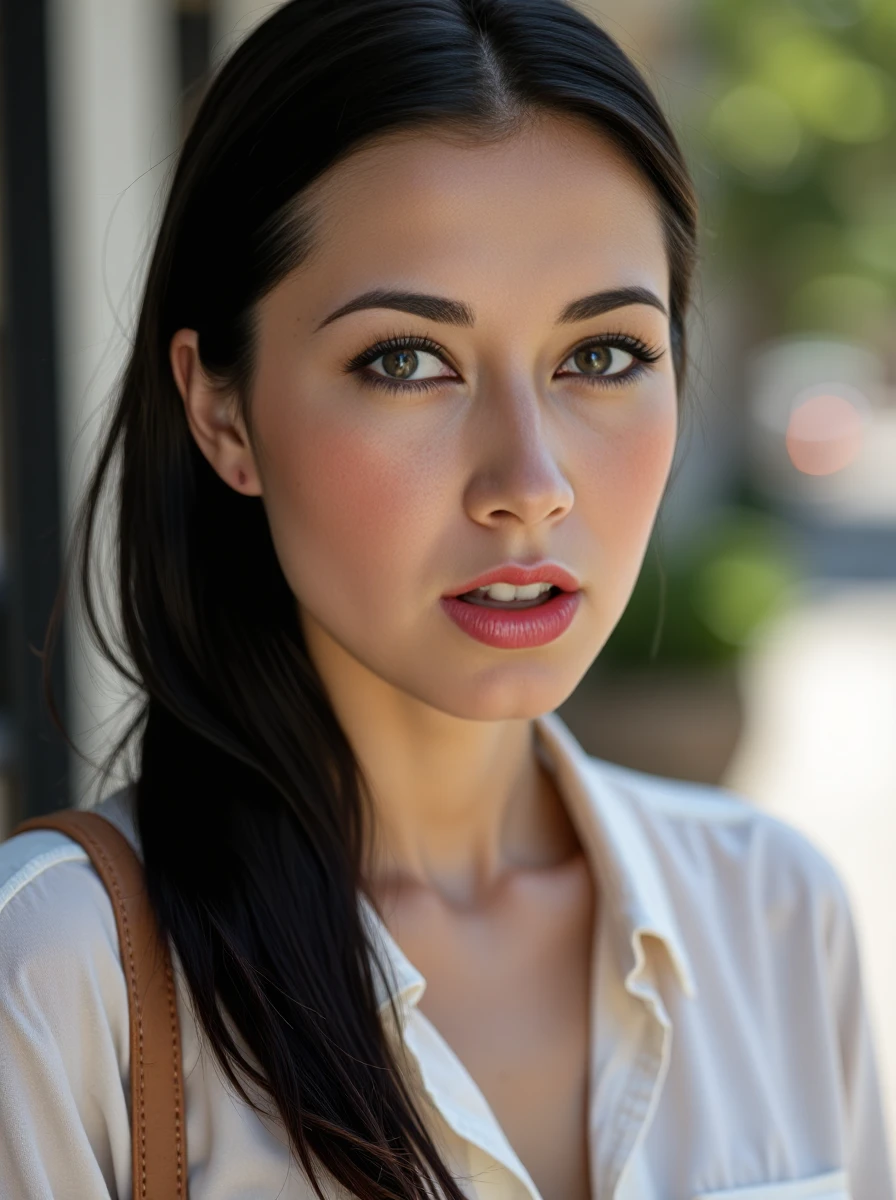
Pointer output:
x,y
251,804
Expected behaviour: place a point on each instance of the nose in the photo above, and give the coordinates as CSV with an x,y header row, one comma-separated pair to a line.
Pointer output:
x,y
517,454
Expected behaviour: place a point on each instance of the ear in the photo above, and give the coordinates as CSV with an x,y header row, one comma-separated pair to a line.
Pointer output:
x,y
213,417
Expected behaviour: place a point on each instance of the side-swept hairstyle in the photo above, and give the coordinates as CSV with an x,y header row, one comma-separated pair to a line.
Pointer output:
x,y
250,802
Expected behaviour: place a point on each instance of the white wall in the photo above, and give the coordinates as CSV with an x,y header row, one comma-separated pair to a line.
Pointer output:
x,y
113,113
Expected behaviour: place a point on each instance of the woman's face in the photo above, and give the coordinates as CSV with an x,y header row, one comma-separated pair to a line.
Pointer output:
x,y
391,482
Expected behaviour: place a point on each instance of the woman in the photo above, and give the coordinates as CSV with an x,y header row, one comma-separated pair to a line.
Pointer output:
x,y
399,415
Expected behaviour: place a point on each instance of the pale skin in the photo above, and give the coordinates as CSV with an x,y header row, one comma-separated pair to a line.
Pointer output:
x,y
380,502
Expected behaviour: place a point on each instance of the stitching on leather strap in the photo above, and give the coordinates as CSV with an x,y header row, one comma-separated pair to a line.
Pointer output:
x,y
138,1008
172,1016
106,866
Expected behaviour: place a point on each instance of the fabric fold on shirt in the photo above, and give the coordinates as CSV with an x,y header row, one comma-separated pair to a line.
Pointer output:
x,y
730,1042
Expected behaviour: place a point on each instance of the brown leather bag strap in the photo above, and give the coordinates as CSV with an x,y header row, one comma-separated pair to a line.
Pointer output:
x,y
158,1137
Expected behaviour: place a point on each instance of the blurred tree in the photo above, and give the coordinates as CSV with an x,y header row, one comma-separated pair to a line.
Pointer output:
x,y
702,606
799,121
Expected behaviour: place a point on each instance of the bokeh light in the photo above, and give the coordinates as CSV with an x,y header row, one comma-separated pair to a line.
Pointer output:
x,y
824,434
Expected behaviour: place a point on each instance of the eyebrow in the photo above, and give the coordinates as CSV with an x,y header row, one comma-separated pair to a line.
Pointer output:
x,y
455,312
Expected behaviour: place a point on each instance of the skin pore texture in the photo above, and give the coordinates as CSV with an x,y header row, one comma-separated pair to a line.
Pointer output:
x,y
382,501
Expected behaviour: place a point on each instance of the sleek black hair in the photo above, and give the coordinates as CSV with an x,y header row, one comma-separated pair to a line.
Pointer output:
x,y
250,802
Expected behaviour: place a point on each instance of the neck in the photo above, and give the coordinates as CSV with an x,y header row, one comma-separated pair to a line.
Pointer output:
x,y
457,804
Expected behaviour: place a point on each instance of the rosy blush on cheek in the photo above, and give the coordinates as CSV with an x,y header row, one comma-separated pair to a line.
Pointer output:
x,y
621,477
348,511
640,468
629,460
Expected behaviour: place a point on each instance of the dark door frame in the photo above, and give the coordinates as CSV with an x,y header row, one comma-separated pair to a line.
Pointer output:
x,y
39,761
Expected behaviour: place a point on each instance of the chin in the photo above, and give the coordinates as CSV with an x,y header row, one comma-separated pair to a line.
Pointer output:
x,y
498,694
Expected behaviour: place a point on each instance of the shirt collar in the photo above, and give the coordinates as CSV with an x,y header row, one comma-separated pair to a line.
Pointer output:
x,y
402,983
630,879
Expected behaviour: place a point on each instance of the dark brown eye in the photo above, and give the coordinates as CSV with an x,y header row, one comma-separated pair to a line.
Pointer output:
x,y
599,361
593,360
609,363
400,363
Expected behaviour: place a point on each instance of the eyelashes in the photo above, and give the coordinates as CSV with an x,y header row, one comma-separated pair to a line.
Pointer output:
x,y
643,354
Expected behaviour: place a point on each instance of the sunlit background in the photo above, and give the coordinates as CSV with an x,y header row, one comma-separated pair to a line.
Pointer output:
x,y
759,648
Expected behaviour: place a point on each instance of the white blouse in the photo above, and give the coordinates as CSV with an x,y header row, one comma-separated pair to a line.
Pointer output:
x,y
730,1059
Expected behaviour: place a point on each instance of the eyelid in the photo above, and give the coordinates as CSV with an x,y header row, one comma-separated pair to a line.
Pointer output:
x,y
396,341
629,342
643,352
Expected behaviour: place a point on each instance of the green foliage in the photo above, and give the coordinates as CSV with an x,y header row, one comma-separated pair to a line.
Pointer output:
x,y
798,119
705,604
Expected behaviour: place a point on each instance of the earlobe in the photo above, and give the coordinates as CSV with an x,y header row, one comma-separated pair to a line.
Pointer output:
x,y
213,417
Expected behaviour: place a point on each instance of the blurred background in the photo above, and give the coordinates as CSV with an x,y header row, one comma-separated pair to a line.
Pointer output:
x,y
759,649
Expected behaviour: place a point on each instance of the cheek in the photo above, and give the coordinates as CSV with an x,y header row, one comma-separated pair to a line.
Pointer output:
x,y
349,506
622,487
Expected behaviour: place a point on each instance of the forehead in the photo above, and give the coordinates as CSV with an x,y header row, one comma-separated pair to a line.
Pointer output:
x,y
553,201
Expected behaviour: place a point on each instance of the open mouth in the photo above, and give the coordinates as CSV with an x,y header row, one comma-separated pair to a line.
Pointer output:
x,y
516,624
481,598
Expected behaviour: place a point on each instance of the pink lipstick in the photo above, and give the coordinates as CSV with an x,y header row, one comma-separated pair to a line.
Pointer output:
x,y
538,617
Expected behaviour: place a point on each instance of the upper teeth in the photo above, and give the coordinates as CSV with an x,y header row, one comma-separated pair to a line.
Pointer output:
x,y
507,591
